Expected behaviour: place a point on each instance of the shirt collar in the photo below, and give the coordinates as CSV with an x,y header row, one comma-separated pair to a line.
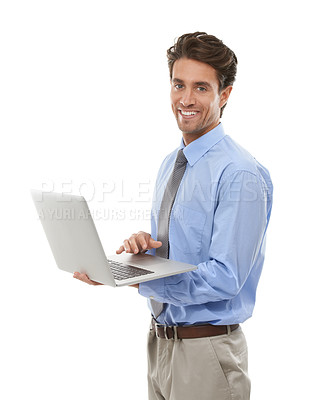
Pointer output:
x,y
199,147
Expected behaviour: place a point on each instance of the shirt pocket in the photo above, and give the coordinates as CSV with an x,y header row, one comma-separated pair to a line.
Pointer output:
x,y
186,229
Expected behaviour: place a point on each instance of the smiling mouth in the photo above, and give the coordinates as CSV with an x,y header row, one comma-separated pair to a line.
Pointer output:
x,y
187,114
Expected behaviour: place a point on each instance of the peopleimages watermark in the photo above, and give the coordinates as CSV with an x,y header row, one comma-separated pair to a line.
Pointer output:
x,y
119,201
122,191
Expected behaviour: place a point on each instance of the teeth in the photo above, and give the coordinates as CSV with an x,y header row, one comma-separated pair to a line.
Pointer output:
x,y
188,112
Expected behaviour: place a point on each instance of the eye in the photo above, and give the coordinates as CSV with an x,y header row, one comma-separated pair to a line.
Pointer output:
x,y
178,86
201,89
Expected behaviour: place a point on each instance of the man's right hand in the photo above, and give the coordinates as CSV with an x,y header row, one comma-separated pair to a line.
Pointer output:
x,y
85,278
139,243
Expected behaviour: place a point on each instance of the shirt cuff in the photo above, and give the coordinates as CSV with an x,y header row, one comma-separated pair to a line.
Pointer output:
x,y
154,290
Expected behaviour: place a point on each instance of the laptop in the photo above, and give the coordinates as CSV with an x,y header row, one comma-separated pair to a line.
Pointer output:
x,y
76,246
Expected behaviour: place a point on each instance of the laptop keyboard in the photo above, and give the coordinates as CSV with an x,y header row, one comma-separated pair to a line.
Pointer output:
x,y
122,271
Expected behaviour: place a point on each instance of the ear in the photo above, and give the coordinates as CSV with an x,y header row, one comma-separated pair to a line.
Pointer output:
x,y
225,95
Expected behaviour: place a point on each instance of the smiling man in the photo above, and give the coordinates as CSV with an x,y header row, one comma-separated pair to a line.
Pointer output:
x,y
211,207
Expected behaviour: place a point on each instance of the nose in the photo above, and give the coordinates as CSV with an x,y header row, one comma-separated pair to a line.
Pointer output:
x,y
188,98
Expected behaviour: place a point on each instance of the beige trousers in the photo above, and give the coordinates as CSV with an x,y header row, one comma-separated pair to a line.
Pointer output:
x,y
213,368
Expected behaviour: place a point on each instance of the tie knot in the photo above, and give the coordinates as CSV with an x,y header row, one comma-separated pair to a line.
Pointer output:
x,y
181,159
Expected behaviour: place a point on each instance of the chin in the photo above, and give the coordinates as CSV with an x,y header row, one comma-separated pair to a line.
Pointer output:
x,y
190,131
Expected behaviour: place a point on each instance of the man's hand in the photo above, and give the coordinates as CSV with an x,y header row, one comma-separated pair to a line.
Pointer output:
x,y
84,278
139,243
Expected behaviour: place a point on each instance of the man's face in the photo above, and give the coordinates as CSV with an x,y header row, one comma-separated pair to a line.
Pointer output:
x,y
195,98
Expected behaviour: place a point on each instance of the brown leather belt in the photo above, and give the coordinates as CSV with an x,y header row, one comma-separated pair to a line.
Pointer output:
x,y
191,331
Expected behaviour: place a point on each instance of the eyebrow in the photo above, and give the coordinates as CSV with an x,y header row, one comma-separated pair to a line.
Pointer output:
x,y
200,83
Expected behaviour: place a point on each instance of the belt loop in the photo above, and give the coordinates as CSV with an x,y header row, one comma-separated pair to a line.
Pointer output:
x,y
165,332
228,330
156,330
175,331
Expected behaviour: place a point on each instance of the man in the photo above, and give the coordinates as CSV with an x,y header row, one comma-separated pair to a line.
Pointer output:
x,y
214,214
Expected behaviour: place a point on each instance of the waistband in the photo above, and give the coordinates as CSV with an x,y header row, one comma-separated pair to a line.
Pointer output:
x,y
191,331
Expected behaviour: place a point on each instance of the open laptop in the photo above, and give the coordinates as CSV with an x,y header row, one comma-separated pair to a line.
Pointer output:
x,y
74,241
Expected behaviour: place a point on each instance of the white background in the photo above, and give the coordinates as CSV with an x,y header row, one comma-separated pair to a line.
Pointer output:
x,y
85,108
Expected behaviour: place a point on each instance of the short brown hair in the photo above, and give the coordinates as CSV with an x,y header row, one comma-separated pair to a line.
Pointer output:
x,y
209,49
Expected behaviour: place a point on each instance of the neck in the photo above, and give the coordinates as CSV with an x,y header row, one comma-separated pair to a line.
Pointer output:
x,y
190,137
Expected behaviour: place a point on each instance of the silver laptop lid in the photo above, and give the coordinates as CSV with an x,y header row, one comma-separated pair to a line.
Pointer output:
x,y
72,234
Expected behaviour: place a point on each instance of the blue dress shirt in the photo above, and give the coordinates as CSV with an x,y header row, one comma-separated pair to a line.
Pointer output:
x,y
218,222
